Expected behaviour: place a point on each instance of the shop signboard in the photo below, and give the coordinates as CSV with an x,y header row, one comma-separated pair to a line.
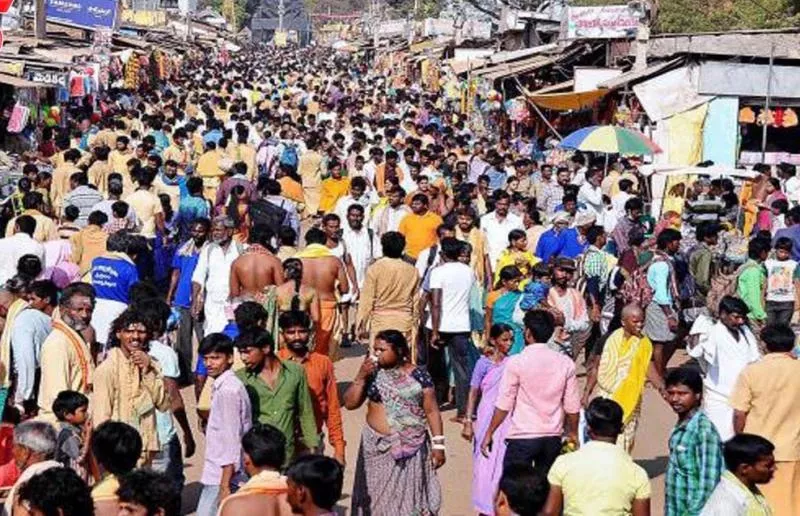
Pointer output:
x,y
601,22
86,14
50,77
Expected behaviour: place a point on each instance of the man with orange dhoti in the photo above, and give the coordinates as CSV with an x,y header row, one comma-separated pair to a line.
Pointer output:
x,y
390,297
326,273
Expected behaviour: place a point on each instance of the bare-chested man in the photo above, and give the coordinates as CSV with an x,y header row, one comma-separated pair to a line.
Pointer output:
x,y
257,268
323,271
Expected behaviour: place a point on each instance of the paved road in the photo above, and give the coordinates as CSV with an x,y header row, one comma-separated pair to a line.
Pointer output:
x,y
456,476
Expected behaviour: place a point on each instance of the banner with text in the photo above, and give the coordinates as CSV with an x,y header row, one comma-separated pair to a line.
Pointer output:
x,y
87,14
601,22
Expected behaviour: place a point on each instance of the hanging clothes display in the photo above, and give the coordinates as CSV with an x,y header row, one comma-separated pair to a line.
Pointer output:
x,y
18,119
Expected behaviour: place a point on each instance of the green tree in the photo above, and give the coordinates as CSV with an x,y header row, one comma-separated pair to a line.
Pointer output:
x,y
675,16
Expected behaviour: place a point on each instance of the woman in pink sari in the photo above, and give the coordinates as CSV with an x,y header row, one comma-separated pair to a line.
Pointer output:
x,y
58,266
773,190
486,471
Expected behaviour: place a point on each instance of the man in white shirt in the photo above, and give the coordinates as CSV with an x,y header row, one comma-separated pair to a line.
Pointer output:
x,y
211,277
497,224
449,322
590,193
387,217
723,352
358,195
359,247
18,245
431,257
618,201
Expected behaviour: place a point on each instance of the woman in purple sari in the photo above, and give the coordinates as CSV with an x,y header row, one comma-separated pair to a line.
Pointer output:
x,y
486,471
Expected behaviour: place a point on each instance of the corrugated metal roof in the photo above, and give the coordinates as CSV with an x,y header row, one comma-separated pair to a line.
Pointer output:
x,y
516,68
635,75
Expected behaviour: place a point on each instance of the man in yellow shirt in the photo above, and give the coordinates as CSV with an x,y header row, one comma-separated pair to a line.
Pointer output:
x,y
100,170
46,229
244,152
177,151
333,188
119,157
419,226
209,169
60,187
600,478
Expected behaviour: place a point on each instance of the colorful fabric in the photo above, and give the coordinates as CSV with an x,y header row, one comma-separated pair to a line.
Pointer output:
x,y
401,395
623,370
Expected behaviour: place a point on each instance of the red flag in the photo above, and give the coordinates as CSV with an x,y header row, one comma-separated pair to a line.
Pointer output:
x,y
5,5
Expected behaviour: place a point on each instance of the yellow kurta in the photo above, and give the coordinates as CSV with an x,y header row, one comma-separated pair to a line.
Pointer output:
x,y
122,392
45,227
178,155
59,188
332,191
310,169
208,168
247,155
98,176
119,161
67,365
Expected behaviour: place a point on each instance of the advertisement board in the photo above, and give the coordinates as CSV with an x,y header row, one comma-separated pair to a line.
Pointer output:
x,y
601,22
87,14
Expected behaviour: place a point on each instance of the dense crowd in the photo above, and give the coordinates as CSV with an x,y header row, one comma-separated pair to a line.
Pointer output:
x,y
237,226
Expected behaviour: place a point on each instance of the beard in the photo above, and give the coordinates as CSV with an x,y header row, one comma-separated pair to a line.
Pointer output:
x,y
74,323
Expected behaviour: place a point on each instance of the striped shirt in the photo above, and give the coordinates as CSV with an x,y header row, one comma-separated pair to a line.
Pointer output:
x,y
694,467
84,198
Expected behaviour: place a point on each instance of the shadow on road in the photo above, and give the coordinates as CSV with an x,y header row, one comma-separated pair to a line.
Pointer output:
x,y
654,467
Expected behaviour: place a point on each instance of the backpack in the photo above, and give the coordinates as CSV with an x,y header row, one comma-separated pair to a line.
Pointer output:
x,y
289,156
264,212
723,285
636,288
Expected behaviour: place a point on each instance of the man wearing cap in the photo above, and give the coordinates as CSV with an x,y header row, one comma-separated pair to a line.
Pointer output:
x,y
572,337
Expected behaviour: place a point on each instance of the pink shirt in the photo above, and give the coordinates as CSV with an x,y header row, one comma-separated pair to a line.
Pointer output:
x,y
538,387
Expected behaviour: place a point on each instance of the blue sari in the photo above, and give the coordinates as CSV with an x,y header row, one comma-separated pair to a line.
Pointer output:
x,y
503,312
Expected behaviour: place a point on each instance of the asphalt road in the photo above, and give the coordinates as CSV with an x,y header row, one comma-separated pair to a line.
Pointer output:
x,y
455,476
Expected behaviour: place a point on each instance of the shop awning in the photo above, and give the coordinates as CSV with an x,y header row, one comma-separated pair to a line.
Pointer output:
x,y
636,75
554,88
567,100
520,67
19,82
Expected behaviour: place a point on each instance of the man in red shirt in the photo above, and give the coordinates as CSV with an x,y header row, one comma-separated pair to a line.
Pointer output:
x,y
296,330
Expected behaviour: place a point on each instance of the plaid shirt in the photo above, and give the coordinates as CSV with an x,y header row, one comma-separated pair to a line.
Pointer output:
x,y
694,467
552,194
595,264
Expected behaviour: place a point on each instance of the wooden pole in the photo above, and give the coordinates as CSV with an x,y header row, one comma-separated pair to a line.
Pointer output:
x,y
40,20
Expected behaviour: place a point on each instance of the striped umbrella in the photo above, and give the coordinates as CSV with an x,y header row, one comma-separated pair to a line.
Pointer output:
x,y
611,140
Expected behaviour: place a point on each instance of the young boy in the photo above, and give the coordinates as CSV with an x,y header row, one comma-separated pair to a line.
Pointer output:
x,y
120,219
229,419
315,484
783,276
72,448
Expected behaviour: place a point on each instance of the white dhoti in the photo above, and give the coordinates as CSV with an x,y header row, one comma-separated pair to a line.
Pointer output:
x,y
105,312
216,318
717,408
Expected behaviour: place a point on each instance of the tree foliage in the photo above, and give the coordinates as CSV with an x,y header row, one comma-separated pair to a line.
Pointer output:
x,y
673,16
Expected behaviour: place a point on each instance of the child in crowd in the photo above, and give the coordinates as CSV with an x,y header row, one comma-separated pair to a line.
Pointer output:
x,y
782,283
779,210
120,220
70,408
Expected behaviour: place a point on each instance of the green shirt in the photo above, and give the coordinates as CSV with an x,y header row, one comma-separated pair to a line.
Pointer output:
x,y
750,287
285,406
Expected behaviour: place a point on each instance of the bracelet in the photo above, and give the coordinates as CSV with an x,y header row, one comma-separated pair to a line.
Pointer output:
x,y
437,439
439,447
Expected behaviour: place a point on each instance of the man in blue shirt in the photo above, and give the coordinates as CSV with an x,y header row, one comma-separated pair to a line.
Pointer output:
x,y
792,232
112,274
179,295
496,172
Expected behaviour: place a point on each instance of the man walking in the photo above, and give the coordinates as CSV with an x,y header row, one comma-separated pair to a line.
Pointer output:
x,y
295,330
764,401
449,322
539,392
695,451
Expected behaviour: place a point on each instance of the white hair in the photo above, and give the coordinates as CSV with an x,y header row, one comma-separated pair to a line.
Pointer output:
x,y
37,436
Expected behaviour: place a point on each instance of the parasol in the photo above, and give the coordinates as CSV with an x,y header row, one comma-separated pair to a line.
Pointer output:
x,y
610,140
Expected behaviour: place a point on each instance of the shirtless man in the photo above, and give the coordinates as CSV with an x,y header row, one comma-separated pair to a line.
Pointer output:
x,y
323,271
257,268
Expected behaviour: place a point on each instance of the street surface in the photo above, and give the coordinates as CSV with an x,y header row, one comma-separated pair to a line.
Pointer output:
x,y
456,475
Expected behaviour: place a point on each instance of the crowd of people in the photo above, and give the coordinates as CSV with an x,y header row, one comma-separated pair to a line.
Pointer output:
x,y
238,226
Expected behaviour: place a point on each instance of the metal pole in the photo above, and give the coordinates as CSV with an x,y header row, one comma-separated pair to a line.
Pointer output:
x,y
281,11
39,20
765,127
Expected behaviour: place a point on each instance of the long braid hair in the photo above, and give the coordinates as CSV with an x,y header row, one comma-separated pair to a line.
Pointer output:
x,y
293,271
